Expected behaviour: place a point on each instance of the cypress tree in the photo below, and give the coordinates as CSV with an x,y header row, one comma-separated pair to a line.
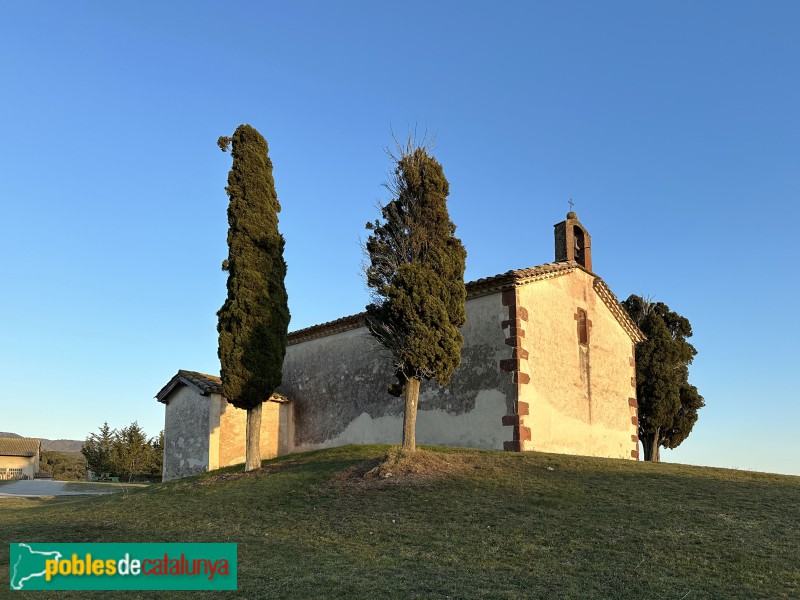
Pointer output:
x,y
416,276
668,403
254,319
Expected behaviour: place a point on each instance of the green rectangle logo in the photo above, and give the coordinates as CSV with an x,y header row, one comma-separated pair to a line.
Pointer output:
x,y
123,566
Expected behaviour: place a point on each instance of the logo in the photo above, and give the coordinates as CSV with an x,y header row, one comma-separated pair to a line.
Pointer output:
x,y
123,566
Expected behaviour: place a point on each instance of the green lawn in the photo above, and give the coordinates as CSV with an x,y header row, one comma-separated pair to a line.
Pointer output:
x,y
471,524
93,487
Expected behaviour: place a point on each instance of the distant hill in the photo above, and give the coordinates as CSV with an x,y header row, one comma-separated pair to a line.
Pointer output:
x,y
53,445
62,445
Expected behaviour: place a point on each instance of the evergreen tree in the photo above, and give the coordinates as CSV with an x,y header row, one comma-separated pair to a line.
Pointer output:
x,y
132,454
98,450
254,319
124,453
156,465
668,403
416,275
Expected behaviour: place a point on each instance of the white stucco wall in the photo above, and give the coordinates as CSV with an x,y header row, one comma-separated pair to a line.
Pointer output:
x,y
478,428
338,388
206,432
578,395
28,464
186,433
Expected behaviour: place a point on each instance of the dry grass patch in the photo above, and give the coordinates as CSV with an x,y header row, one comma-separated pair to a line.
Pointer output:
x,y
400,467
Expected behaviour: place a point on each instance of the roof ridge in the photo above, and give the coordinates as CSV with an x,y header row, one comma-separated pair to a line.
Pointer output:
x,y
478,287
198,373
205,383
482,287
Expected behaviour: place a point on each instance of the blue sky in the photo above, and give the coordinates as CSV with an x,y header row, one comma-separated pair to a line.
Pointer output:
x,y
673,126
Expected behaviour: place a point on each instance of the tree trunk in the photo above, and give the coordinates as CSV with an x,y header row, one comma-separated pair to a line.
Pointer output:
x,y
410,414
253,436
650,446
646,445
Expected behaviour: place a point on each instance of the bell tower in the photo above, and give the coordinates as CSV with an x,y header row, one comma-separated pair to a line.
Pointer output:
x,y
573,242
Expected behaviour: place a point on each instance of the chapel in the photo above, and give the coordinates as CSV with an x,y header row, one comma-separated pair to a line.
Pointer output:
x,y
547,364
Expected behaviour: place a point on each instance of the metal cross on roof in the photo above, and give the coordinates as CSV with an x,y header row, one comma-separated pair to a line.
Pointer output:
x,y
571,204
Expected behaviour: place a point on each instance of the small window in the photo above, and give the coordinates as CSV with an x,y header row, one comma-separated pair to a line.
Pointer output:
x,y
9,473
583,327
580,249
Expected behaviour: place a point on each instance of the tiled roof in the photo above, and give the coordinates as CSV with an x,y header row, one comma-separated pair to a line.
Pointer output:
x,y
19,446
205,384
210,384
489,285
326,329
482,287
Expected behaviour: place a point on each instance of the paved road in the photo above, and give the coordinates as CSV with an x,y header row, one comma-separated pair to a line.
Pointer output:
x,y
41,487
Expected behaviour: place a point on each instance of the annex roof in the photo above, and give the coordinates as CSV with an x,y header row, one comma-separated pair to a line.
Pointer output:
x,y
19,446
491,285
203,383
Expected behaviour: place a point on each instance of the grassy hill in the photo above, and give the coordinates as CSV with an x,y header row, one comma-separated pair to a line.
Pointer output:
x,y
458,524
